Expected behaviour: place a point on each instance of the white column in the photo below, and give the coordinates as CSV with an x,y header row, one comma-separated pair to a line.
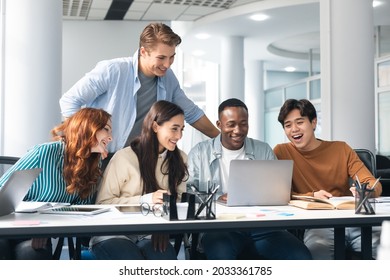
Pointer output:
x,y
32,73
232,68
347,71
254,98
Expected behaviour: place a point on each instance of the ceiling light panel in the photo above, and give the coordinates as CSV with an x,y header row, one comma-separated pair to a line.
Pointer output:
x,y
225,4
76,8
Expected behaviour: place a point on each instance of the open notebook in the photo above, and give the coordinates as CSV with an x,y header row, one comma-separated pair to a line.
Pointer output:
x,y
259,182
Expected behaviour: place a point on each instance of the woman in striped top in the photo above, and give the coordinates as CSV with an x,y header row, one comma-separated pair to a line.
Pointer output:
x,y
70,171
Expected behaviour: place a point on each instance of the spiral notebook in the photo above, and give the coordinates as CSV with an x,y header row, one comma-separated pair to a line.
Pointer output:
x,y
75,210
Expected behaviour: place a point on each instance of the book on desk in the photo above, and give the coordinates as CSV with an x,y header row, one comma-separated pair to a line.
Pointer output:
x,y
314,203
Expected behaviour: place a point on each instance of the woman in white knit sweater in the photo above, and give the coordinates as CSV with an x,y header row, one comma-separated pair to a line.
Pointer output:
x,y
164,170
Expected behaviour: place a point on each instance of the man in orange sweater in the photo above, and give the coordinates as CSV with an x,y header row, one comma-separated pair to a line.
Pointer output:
x,y
321,169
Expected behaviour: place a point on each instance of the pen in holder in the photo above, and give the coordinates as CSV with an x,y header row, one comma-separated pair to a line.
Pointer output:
x,y
205,208
183,210
364,201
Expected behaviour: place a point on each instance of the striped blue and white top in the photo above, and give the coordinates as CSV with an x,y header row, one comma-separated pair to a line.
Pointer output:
x,y
50,185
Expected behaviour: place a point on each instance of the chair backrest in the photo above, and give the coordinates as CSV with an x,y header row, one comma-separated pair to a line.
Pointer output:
x,y
383,170
368,158
382,162
6,162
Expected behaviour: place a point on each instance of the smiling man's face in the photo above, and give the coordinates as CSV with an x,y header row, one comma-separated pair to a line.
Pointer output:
x,y
233,123
156,62
300,131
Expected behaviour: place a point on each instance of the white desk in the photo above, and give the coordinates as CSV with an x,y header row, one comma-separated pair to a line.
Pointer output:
x,y
113,223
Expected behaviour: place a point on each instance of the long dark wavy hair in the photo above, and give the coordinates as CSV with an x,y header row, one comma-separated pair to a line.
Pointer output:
x,y
146,147
81,166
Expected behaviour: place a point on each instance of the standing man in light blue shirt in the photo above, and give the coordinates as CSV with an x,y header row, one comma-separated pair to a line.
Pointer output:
x,y
127,87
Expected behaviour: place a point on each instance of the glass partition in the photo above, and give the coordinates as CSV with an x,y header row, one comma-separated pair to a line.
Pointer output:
x,y
383,118
274,98
315,89
308,88
384,73
274,133
297,91
384,40
200,82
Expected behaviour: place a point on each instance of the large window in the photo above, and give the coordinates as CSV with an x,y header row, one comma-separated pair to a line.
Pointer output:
x,y
383,74
383,112
200,82
2,18
383,123
384,40
308,88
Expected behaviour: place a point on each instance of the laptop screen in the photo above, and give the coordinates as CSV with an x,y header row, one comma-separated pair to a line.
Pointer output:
x,y
259,182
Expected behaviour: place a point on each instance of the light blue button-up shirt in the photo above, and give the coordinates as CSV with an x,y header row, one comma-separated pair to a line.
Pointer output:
x,y
112,85
203,160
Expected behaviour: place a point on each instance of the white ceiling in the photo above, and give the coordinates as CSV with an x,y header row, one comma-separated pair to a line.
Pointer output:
x,y
292,29
148,10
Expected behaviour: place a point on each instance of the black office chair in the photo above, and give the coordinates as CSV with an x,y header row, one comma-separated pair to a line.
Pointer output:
x,y
368,158
379,166
383,170
6,162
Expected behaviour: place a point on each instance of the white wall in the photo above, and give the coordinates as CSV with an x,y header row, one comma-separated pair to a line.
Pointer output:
x,y
87,42
30,73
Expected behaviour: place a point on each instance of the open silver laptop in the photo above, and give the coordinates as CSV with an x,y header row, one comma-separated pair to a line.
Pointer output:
x,y
16,188
259,182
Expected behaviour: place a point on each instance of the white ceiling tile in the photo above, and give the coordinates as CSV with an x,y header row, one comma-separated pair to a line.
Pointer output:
x,y
101,4
97,14
186,17
139,6
143,1
201,11
242,2
73,18
134,15
164,12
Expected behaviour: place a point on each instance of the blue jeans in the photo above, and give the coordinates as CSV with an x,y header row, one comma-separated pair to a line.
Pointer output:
x,y
20,249
259,244
125,249
320,241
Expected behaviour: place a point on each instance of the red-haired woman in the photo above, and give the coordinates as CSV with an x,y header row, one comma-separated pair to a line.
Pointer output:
x,y
70,172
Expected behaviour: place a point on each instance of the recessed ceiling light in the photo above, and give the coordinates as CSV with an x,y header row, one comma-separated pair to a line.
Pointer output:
x,y
376,3
259,17
290,69
202,36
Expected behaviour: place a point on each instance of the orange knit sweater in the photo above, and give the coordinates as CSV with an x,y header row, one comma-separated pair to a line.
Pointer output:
x,y
327,167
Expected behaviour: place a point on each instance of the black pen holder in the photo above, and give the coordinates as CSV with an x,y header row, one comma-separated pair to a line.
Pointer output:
x,y
184,210
364,200
205,206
